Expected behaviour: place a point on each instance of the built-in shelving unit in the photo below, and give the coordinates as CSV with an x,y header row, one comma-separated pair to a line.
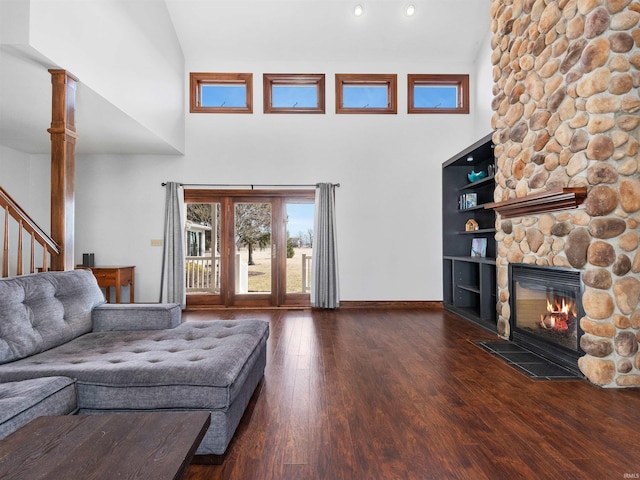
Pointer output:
x,y
469,282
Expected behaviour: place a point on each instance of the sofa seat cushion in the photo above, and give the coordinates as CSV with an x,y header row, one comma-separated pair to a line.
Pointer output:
x,y
44,310
197,365
21,402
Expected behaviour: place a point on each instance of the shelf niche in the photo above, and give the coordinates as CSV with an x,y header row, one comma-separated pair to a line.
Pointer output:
x,y
549,201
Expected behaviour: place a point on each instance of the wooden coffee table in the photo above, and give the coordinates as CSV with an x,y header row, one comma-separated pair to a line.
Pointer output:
x,y
125,446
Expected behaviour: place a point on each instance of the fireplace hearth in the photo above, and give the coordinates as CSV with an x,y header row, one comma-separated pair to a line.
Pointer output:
x,y
546,309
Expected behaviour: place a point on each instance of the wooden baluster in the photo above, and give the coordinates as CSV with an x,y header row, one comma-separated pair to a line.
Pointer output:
x,y
32,257
25,225
19,261
5,248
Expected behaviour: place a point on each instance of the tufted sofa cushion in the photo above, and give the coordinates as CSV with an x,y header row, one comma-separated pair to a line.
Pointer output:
x,y
44,310
197,365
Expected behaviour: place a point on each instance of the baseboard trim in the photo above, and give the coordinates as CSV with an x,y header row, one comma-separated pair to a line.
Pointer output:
x,y
346,304
393,304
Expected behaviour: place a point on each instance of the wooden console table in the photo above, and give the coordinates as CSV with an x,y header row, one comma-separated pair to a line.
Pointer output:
x,y
157,445
117,277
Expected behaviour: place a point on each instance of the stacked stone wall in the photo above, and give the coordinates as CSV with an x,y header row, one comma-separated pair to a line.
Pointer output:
x,y
567,114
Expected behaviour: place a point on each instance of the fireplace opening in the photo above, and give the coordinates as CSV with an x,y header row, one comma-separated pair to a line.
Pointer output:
x,y
546,309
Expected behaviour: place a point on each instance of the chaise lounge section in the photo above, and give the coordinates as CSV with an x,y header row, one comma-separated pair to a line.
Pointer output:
x,y
129,358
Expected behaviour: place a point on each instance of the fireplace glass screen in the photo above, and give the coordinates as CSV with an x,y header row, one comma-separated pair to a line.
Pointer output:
x,y
548,313
546,308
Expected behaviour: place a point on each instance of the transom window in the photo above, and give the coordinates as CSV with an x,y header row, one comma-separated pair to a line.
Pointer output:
x,y
293,93
221,92
438,93
366,93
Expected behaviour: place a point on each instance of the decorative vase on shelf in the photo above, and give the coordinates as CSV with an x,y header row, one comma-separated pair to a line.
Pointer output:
x,y
475,176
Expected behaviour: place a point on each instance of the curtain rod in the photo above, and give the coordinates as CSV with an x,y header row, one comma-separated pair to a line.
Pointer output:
x,y
252,185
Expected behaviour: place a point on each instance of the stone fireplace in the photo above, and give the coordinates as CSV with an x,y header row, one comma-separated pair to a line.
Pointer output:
x,y
567,115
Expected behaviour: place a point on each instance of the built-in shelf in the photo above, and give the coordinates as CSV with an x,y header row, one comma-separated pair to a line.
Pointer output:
x,y
470,288
479,183
470,259
477,207
480,231
549,201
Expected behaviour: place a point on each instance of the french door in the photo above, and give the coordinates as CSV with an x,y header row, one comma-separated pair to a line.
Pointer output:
x,y
248,249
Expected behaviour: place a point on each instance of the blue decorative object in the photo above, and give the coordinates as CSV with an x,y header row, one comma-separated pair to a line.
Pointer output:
x,y
475,176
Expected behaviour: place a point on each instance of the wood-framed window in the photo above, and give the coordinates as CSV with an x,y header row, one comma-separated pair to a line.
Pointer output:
x,y
438,93
366,93
221,92
293,93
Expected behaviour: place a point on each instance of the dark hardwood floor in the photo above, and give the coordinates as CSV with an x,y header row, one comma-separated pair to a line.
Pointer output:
x,y
406,394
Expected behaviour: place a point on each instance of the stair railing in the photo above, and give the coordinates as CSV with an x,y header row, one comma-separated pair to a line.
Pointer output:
x,y
38,237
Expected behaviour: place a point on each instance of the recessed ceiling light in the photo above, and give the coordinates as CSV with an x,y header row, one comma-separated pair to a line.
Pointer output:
x,y
409,10
358,10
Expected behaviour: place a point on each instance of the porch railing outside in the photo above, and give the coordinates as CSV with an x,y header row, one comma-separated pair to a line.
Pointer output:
x,y
203,274
306,273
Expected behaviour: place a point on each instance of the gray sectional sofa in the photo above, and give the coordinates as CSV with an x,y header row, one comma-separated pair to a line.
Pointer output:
x,y
64,351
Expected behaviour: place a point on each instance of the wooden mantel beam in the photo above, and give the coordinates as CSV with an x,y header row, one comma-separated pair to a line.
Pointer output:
x,y
63,160
548,201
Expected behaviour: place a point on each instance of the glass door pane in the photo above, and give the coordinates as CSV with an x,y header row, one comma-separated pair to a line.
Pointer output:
x,y
202,248
253,251
299,246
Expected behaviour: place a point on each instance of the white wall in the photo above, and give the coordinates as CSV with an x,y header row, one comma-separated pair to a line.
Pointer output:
x,y
127,52
14,172
389,166
483,87
26,178
14,22
119,209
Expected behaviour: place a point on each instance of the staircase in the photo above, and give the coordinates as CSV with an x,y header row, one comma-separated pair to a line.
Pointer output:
x,y
20,257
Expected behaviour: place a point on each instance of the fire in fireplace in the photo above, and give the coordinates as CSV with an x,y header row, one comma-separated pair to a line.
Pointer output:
x,y
557,316
545,312
559,322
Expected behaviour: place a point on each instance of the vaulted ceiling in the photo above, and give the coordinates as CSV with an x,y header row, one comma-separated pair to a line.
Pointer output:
x,y
232,32
328,30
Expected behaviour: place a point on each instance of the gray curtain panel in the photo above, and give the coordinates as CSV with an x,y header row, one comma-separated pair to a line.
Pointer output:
x,y
172,283
325,291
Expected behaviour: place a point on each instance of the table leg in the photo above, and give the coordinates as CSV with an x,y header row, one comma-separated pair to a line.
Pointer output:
x,y
118,287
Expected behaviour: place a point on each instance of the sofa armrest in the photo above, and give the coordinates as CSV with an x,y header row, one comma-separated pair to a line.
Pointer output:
x,y
136,316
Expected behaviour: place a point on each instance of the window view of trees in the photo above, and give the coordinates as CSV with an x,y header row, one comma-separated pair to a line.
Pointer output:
x,y
200,214
253,226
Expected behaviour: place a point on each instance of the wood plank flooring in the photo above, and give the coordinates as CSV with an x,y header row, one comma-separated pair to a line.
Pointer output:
x,y
406,394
